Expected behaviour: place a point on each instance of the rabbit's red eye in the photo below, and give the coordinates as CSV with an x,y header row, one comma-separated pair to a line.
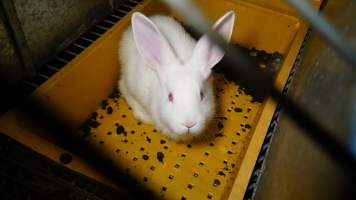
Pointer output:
x,y
201,95
170,97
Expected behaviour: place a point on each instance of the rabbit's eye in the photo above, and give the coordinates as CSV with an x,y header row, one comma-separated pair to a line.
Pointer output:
x,y
170,97
201,95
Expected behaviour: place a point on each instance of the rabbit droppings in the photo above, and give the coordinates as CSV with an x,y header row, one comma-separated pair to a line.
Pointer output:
x,y
165,74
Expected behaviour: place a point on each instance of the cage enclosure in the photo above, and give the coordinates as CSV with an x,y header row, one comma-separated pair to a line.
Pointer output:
x,y
79,86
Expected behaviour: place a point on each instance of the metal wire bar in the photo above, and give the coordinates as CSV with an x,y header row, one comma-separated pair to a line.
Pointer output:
x,y
353,121
243,69
326,30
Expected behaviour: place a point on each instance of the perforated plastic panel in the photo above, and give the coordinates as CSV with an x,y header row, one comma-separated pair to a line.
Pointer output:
x,y
180,170
174,170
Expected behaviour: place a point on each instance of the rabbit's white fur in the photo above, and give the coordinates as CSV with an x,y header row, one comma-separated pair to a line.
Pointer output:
x,y
159,58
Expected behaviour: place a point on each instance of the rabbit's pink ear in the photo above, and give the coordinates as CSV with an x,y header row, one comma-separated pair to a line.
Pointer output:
x,y
150,43
206,53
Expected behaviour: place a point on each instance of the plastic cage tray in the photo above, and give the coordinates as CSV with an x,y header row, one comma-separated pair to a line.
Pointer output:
x,y
77,83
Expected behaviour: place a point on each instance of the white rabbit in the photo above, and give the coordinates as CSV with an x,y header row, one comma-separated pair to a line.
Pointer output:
x,y
165,74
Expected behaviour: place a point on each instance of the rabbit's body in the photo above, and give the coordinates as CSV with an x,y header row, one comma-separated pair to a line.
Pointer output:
x,y
149,89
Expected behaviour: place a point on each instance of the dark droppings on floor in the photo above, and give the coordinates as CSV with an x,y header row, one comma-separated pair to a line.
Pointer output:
x,y
238,109
160,156
109,110
104,104
148,139
164,189
219,135
120,130
220,125
89,124
247,126
221,173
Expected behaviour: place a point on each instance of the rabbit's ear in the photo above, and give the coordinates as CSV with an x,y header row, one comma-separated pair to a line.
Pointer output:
x,y
150,43
207,54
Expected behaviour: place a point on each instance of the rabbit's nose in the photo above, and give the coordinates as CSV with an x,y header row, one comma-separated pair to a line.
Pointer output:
x,y
189,124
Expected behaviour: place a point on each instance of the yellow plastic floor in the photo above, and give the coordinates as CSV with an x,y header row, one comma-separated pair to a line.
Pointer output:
x,y
195,170
216,169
